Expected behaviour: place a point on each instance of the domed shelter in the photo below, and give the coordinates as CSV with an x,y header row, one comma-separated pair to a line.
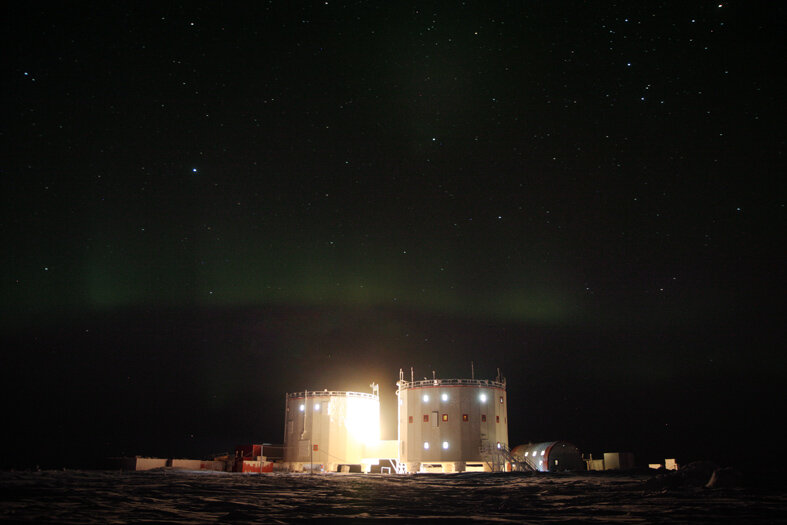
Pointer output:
x,y
551,456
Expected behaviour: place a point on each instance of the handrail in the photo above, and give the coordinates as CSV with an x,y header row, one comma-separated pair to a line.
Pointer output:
x,y
403,385
329,393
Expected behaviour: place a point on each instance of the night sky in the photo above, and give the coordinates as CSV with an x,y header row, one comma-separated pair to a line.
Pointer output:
x,y
207,207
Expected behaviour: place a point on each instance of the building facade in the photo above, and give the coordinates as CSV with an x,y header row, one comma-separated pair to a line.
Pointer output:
x,y
451,425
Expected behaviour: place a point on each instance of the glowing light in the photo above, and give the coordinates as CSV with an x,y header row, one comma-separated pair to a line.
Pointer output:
x,y
542,452
526,453
302,407
426,445
363,419
444,397
445,444
426,398
316,406
498,444
482,397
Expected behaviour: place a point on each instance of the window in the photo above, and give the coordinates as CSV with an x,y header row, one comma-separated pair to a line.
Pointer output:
x,y
483,418
445,417
465,417
497,419
501,400
410,419
426,418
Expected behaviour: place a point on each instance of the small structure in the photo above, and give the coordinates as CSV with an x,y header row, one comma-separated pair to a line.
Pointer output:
x,y
550,456
139,463
618,460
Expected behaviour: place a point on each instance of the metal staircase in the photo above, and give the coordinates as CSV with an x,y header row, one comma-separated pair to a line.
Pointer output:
x,y
496,456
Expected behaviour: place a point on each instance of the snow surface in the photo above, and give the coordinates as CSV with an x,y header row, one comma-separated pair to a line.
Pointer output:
x,y
176,496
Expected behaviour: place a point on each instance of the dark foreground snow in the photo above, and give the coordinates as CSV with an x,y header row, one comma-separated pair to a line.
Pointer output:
x,y
169,496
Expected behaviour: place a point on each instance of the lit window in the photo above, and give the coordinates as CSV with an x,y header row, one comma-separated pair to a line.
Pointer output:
x,y
482,397
465,417
410,419
316,406
497,419
542,452
302,407
445,417
444,397
483,418
498,444
426,445
526,453
426,418
445,444
426,398
501,400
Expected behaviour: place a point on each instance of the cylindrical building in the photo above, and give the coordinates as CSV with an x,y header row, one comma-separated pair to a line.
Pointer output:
x,y
328,430
452,425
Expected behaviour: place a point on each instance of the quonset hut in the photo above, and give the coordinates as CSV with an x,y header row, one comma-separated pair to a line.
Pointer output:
x,y
452,425
551,456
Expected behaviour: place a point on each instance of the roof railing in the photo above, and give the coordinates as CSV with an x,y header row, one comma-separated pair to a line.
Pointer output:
x,y
330,393
403,385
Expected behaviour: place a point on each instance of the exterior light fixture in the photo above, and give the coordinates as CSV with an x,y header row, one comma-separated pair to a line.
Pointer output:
x,y
426,445
444,397
426,398
445,444
316,406
482,397
302,407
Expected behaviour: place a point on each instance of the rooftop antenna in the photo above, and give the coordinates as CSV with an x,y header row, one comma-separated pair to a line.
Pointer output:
x,y
472,370
498,375
433,376
412,377
401,375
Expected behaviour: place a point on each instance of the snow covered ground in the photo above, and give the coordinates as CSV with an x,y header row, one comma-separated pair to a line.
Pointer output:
x,y
170,496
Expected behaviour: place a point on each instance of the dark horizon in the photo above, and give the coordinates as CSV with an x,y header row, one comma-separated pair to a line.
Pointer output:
x,y
207,207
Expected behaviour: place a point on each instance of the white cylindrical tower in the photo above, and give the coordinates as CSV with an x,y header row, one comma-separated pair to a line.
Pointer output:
x,y
452,425
328,430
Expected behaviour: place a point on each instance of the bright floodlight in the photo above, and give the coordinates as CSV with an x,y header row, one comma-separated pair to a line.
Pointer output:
x,y
482,397
363,420
316,406
445,444
302,407
426,398
445,397
426,445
